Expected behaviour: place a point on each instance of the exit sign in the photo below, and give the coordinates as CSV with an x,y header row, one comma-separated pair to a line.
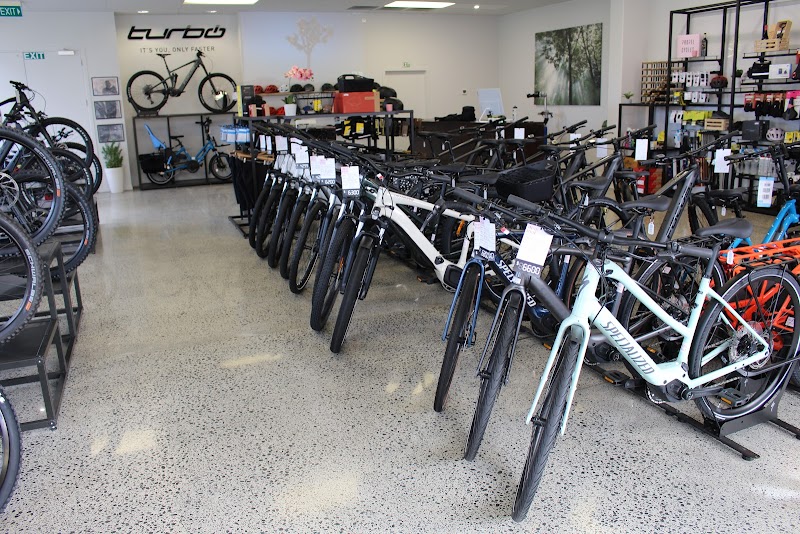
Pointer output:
x,y
33,55
10,11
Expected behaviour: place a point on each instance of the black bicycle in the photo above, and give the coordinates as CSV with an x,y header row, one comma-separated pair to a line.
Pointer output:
x,y
149,91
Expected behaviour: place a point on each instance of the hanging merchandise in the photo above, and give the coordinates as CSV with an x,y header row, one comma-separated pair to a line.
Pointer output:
x,y
704,46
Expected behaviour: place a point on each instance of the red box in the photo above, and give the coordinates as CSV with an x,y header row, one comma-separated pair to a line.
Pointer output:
x,y
366,102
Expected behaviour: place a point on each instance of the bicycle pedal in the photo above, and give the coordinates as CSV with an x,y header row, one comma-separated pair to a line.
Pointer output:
x,y
615,378
634,383
428,279
733,398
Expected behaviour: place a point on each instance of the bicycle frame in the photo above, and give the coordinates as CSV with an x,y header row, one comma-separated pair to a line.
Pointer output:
x,y
172,77
588,311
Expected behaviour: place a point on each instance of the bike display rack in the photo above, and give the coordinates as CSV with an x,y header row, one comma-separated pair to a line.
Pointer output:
x,y
205,179
714,429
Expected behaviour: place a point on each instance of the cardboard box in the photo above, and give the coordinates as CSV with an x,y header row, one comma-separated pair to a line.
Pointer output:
x,y
366,102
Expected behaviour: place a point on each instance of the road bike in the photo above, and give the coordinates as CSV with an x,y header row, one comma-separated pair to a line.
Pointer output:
x,y
175,158
148,91
738,345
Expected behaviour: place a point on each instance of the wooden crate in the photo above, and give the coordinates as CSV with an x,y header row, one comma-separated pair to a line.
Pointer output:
x,y
716,124
775,43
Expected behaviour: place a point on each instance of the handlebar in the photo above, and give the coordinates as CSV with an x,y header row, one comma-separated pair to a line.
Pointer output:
x,y
478,200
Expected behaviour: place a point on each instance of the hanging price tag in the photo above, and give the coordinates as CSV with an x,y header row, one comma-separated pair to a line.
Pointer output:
x,y
602,150
325,168
723,211
351,181
315,162
720,163
262,142
485,233
729,257
268,145
532,251
574,137
519,133
651,227
281,143
300,153
641,149
765,186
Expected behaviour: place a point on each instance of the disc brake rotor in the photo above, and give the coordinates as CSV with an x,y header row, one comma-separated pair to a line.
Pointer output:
x,y
9,192
744,345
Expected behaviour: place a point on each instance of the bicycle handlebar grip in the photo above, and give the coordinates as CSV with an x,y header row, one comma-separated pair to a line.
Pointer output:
x,y
575,126
519,202
467,196
697,252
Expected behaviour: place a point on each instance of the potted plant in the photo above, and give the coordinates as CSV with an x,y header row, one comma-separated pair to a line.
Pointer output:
x,y
112,157
290,106
628,96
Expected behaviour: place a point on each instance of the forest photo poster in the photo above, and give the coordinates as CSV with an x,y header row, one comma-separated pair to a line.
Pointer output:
x,y
569,65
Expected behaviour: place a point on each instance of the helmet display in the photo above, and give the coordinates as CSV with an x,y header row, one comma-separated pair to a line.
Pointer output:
x,y
775,134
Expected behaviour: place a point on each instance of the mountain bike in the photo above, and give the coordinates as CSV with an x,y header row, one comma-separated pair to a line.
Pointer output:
x,y
176,158
738,346
10,449
148,91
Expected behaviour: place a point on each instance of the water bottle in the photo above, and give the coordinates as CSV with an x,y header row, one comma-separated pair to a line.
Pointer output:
x,y
514,114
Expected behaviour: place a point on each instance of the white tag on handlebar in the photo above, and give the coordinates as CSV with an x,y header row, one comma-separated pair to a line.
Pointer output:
x,y
519,133
281,143
720,163
765,186
315,162
574,137
485,233
351,181
300,152
729,257
532,251
642,145
723,211
651,227
602,150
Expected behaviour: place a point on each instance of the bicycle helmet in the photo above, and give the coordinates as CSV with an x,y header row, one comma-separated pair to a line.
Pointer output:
x,y
296,88
308,88
327,87
775,134
271,89
258,89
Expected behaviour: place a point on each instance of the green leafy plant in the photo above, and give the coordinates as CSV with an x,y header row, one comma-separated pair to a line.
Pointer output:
x,y
289,99
112,155
739,73
628,95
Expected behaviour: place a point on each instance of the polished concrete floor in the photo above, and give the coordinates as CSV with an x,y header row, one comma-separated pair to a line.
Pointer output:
x,y
199,400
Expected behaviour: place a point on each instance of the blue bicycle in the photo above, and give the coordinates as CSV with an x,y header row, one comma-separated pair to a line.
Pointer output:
x,y
161,168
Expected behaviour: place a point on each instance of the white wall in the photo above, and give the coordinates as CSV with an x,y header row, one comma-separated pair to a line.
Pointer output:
x,y
516,57
456,51
91,35
222,55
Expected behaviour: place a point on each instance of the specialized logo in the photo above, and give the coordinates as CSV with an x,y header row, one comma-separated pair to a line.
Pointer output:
x,y
628,348
137,34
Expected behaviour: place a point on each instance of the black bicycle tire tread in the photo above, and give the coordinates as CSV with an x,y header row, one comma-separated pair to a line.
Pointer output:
x,y
33,294
9,481
300,208
320,304
298,281
256,212
285,208
265,221
91,223
131,99
200,92
351,292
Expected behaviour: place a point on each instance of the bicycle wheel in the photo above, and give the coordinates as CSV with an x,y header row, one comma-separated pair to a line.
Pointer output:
x,y
63,131
306,248
255,213
10,450
31,184
503,336
147,91
355,282
20,282
326,284
768,299
78,231
74,171
279,227
220,167
161,178
546,424
217,92
701,215
266,219
95,169
457,335
300,208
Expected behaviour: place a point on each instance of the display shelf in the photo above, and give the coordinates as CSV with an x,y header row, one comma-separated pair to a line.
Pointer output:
x,y
702,59
769,82
781,53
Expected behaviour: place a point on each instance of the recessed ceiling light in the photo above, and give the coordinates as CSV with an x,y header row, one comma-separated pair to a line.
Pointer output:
x,y
211,11
476,6
222,2
143,11
418,4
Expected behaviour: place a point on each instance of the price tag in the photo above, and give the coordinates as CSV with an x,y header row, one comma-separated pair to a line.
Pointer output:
x,y
281,143
485,243
323,170
351,181
519,133
602,150
315,162
641,149
765,186
300,153
262,142
574,137
720,163
532,251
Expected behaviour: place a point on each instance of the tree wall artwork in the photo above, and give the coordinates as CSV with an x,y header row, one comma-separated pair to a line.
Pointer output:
x,y
569,65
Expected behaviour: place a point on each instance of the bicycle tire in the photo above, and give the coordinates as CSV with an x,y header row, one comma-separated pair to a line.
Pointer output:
x,y
355,282
326,285
768,299
256,212
300,208
76,245
141,98
299,270
266,219
285,208
502,338
161,178
74,171
35,193
220,167
546,424
460,329
701,215
96,168
63,131
220,92
20,278
10,450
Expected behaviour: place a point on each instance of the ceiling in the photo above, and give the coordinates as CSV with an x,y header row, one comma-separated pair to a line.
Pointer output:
x,y
172,7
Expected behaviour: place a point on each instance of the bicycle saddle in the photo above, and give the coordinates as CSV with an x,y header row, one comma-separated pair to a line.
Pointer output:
x,y
163,55
736,228
490,178
729,194
651,202
451,168
176,137
597,184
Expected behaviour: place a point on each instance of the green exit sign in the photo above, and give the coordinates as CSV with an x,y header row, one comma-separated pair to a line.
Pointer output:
x,y
10,11
33,55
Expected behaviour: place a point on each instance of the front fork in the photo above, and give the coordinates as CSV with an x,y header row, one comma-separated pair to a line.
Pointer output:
x,y
502,309
470,338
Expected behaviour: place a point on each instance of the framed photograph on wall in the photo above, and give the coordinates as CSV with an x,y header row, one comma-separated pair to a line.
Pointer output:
x,y
568,65
109,133
105,86
108,109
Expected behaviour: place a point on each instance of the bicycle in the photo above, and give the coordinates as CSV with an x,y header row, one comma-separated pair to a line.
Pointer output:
x,y
737,349
176,158
148,91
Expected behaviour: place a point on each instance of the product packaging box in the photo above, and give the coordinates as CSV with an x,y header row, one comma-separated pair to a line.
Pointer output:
x,y
366,102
